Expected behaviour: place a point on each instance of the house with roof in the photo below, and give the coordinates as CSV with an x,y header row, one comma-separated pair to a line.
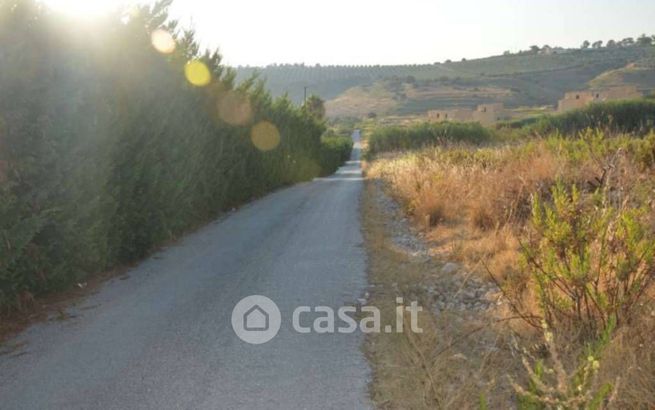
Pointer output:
x,y
580,99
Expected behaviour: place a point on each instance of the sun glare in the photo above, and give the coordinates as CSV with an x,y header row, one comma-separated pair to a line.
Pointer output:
x,y
163,41
234,108
84,8
197,73
265,136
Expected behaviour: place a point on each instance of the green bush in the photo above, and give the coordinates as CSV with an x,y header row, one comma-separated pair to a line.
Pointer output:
x,y
425,134
107,151
644,151
591,256
334,152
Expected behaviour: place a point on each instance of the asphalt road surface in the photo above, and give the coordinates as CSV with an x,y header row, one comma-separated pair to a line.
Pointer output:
x,y
162,339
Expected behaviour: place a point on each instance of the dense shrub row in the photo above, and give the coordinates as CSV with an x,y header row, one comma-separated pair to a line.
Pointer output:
x,y
107,150
636,117
632,116
335,150
425,134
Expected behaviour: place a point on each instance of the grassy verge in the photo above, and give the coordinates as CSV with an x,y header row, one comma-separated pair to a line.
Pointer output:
x,y
457,361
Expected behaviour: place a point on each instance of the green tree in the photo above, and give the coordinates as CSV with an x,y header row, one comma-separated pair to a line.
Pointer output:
x,y
315,106
585,45
627,42
645,40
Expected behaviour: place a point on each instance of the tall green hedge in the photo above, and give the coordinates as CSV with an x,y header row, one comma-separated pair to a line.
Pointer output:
x,y
335,150
425,134
107,151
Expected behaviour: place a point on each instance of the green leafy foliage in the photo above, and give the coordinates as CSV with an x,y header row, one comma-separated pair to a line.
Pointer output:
x,y
315,106
416,136
107,151
335,150
590,256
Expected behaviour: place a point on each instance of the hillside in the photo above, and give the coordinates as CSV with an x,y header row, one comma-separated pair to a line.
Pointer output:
x,y
641,73
517,80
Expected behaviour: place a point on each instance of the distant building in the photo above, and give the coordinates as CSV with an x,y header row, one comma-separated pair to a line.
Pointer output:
x,y
453,114
485,114
626,92
489,114
575,99
579,99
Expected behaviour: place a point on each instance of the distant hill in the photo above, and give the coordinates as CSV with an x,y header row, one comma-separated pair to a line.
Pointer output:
x,y
640,73
524,79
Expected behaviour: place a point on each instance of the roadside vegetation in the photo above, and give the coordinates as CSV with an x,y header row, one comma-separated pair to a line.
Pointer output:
x,y
631,117
425,134
119,137
335,150
635,117
561,219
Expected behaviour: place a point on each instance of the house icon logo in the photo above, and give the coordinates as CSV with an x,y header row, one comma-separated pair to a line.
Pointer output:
x,y
256,319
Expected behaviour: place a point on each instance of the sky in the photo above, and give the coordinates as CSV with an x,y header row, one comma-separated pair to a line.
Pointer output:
x,y
261,32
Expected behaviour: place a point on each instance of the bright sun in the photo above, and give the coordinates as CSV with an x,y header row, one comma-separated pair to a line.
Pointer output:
x,y
84,8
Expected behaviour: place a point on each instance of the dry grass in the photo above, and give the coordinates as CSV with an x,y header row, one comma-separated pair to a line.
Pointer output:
x,y
631,357
479,200
469,204
460,357
474,205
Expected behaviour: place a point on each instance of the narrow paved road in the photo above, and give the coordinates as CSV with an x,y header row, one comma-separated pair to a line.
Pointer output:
x,y
162,339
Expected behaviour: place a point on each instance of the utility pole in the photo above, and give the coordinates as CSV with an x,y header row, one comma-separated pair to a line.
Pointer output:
x,y
305,99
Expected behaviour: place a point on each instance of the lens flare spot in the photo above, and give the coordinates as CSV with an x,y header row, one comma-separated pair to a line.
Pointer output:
x,y
265,136
234,108
162,41
197,73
